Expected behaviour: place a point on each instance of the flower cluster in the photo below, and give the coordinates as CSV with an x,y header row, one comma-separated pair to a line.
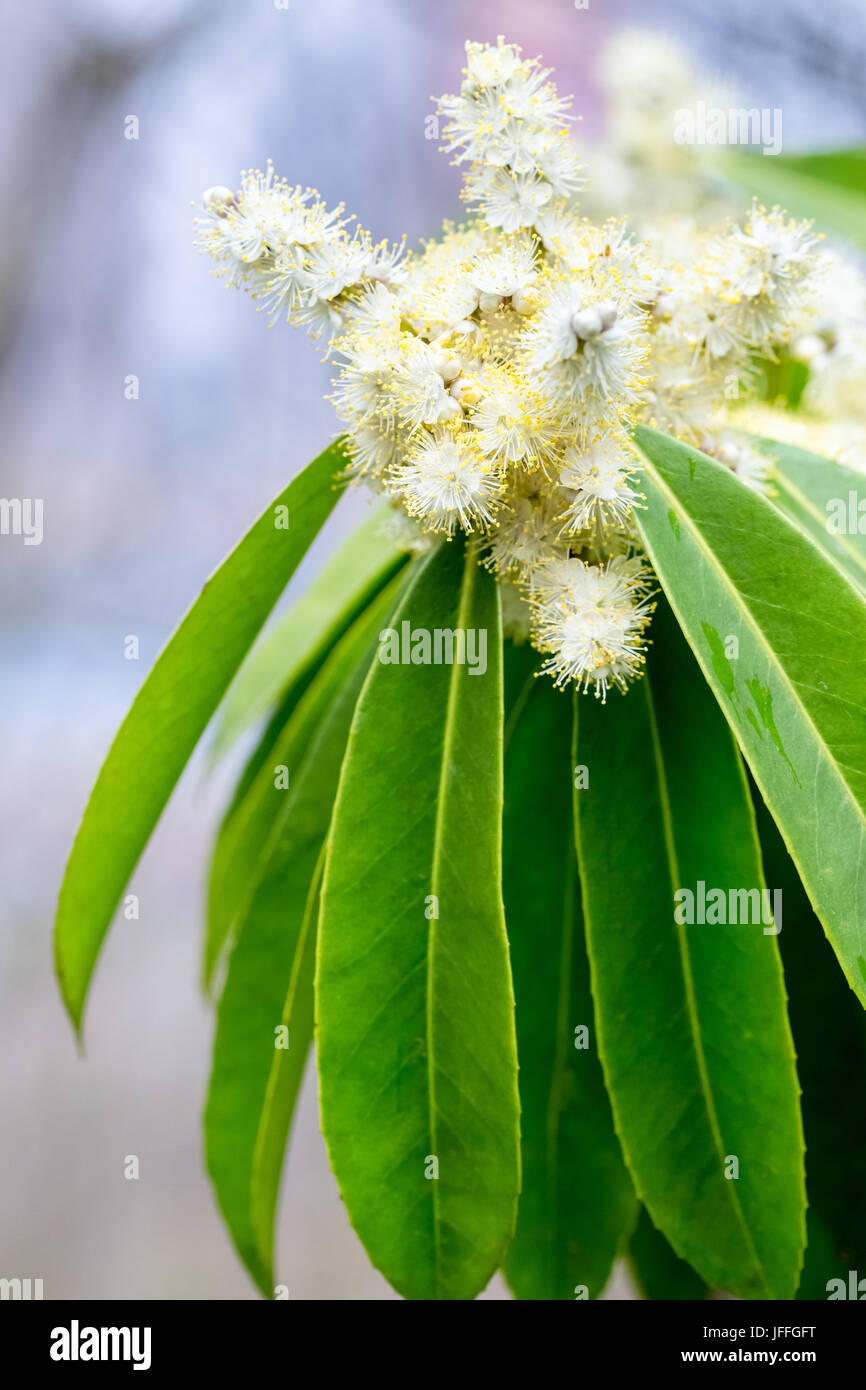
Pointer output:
x,y
730,298
283,245
645,79
489,382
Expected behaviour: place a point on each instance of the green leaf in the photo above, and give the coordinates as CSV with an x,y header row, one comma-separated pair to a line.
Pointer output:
x,y
252,1092
781,380
659,1272
169,715
239,840
217,923
780,635
846,168
284,1079
280,668
827,187
415,1011
270,976
295,647
816,493
242,840
692,1029
829,1028
234,853
577,1204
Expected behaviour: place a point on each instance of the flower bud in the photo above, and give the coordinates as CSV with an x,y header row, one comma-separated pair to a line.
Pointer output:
x,y
488,302
437,358
808,347
218,199
464,391
451,367
587,323
451,409
521,301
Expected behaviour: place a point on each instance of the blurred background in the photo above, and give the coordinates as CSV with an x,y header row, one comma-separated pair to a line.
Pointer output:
x,y
99,282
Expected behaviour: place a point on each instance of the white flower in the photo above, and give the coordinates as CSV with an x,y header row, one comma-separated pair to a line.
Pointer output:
x,y
418,386
510,201
217,200
587,354
447,484
517,144
756,279
376,311
285,285
600,482
385,264
558,162
506,110
591,619
514,423
754,470
713,329
526,534
374,451
776,254
489,381
372,355
490,67
439,292
531,98
552,337
320,316
333,266
561,229
680,393
266,217
293,254
507,273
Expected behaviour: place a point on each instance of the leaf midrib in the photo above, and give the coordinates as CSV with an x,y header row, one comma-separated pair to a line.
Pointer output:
x,y
809,507
762,641
555,1103
466,588
822,752
263,865
316,705
276,1065
688,980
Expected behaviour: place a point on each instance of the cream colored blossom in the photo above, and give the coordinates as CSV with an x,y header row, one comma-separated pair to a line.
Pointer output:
x,y
488,382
